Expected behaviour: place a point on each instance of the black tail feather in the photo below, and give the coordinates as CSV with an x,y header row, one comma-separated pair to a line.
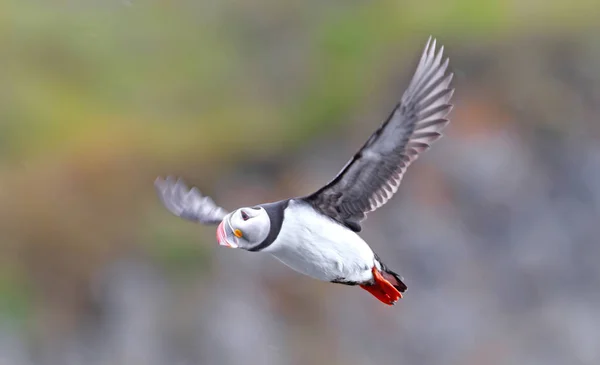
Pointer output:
x,y
394,279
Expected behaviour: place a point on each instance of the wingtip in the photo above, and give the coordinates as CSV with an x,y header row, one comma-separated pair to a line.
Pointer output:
x,y
159,182
452,89
171,181
428,42
430,48
440,52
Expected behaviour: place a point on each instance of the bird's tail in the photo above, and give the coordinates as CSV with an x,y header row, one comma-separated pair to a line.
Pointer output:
x,y
394,279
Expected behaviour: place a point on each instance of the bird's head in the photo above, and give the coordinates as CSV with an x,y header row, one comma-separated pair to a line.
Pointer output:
x,y
244,228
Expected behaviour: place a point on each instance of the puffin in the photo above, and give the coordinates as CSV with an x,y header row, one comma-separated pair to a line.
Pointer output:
x,y
317,234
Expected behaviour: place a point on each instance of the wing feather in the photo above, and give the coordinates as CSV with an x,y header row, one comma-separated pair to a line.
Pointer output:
x,y
188,203
375,172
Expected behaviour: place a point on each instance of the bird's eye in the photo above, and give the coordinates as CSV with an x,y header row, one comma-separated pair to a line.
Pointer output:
x,y
245,216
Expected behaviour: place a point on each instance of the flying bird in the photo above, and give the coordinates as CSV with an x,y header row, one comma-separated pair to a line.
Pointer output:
x,y
317,234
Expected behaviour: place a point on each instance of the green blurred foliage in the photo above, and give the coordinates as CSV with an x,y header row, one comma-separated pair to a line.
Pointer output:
x,y
15,295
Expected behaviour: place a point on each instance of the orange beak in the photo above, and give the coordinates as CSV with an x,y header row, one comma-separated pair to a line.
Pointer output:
x,y
223,237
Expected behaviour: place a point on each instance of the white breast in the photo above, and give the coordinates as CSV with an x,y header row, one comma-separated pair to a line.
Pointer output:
x,y
315,245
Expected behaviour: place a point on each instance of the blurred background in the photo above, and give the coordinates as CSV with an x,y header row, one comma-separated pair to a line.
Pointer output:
x,y
495,229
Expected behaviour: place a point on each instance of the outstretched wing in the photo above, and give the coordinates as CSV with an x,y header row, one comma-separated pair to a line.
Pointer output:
x,y
373,175
186,203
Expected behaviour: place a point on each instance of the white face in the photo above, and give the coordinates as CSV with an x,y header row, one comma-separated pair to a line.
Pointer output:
x,y
244,228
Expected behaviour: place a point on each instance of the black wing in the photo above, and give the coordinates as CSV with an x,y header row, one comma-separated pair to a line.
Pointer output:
x,y
373,175
188,204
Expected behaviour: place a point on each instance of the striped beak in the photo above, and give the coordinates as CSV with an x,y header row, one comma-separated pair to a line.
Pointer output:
x,y
224,237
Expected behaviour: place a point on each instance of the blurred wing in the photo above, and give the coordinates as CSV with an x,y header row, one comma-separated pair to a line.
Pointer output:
x,y
373,175
188,204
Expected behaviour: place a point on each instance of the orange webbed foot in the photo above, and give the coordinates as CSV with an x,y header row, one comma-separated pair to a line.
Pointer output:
x,y
382,289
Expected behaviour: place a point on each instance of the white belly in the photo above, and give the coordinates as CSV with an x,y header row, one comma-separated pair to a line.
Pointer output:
x,y
318,247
